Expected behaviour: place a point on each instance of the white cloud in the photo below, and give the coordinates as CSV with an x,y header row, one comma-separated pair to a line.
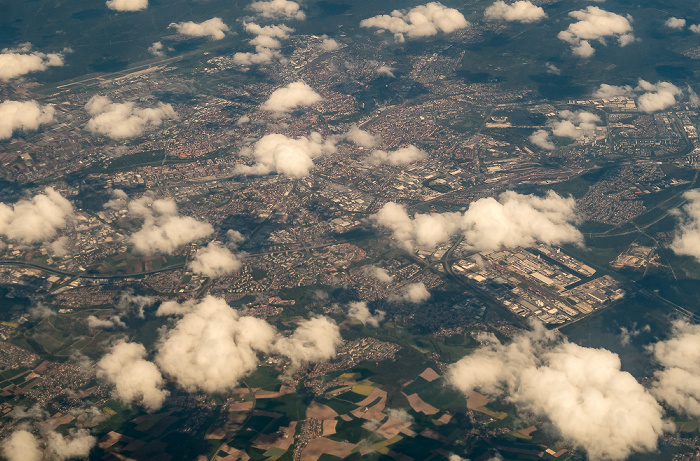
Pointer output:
x,y
23,115
657,96
266,42
78,444
379,273
211,348
420,21
415,293
678,381
359,311
695,28
134,378
164,230
133,304
687,239
401,156
596,24
124,120
489,224
552,69
213,28
215,260
675,23
127,5
296,94
386,70
274,9
21,61
59,247
21,445
314,340
519,11
581,391
610,91
288,156
169,308
41,311
157,49
360,137
575,125
540,138
107,323
37,219
329,44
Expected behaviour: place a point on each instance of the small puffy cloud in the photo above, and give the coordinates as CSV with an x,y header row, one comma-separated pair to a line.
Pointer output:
x,y
359,312
211,347
266,42
329,44
169,308
314,340
134,378
124,120
129,304
695,28
21,445
415,293
127,5
687,239
213,28
23,116
489,224
575,125
164,230
581,391
675,23
41,311
379,273
678,381
401,156
657,96
399,415
360,137
606,91
386,70
77,444
519,11
540,138
21,61
105,323
278,9
420,21
215,260
59,247
234,237
552,69
296,94
37,219
157,49
596,24
280,154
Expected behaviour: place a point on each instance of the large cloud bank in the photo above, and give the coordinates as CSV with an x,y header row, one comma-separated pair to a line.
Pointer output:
x,y
23,115
21,445
687,239
213,28
678,382
401,156
420,21
124,120
127,5
164,230
266,42
511,220
520,11
581,391
651,97
134,378
280,154
296,94
596,24
37,219
215,260
21,61
278,9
